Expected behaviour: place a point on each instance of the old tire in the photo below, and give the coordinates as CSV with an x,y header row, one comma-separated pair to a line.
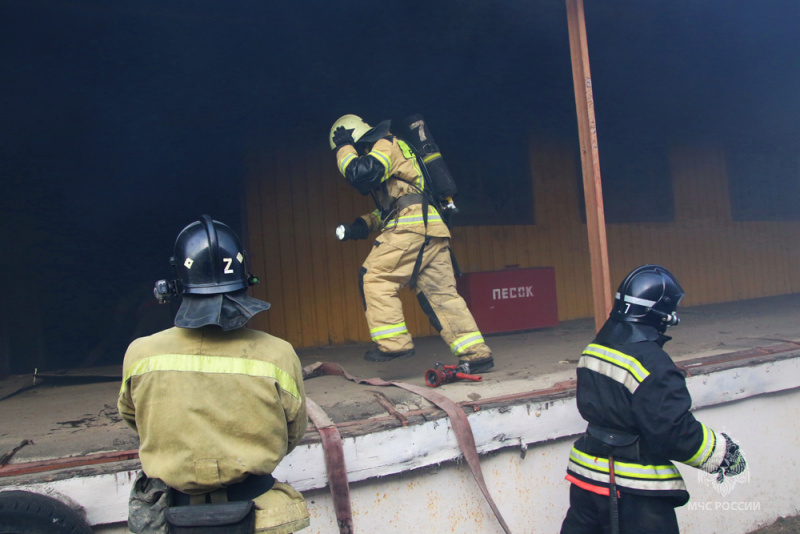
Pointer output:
x,y
23,512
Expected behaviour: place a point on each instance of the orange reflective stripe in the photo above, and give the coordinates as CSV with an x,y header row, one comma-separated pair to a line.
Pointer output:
x,y
590,487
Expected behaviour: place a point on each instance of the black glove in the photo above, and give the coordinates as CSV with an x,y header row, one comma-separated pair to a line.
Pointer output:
x,y
357,230
733,463
342,136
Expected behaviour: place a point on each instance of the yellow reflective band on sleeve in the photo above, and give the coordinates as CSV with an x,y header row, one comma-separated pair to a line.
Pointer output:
x,y
385,161
193,363
392,330
614,364
706,448
345,162
464,342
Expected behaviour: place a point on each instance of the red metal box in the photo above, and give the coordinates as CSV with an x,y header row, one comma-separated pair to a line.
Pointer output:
x,y
512,299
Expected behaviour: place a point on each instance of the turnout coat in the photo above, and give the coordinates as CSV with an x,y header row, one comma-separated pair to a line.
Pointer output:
x,y
630,390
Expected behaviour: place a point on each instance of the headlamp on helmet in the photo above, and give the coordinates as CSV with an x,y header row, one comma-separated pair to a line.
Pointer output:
x,y
208,259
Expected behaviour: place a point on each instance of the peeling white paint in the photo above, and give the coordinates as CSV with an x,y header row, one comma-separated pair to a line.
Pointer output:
x,y
404,479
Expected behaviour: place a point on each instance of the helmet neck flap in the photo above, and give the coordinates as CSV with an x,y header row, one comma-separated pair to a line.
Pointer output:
x,y
211,276
616,332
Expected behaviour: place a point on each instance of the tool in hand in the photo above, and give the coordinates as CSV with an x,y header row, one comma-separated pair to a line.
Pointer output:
x,y
448,373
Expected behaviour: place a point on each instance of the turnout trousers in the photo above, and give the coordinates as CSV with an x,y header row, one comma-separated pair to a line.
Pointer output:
x,y
389,267
590,513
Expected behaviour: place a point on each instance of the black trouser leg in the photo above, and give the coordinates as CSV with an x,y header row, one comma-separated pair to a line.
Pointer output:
x,y
589,514
583,516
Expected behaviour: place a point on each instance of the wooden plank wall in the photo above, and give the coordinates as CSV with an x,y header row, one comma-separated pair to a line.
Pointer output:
x,y
293,205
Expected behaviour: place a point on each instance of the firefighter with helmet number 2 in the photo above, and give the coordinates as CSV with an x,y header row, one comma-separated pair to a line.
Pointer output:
x,y
412,248
216,405
638,408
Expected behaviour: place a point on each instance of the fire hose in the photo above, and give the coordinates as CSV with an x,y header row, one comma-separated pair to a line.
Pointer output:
x,y
448,373
461,427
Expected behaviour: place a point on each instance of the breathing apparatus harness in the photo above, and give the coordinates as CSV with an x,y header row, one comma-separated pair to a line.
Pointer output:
x,y
437,188
427,196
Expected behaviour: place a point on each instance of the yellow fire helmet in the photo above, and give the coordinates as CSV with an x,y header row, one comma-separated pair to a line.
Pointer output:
x,y
360,130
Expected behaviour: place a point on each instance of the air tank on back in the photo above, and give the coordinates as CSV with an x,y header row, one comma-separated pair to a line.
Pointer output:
x,y
416,131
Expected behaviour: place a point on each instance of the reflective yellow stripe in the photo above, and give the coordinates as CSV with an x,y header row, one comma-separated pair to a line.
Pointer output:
x,y
392,330
385,161
417,219
630,475
345,162
610,370
705,449
623,360
194,363
633,483
464,342
431,157
614,364
631,470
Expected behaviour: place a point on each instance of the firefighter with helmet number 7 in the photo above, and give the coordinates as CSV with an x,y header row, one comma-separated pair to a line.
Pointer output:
x,y
638,408
412,248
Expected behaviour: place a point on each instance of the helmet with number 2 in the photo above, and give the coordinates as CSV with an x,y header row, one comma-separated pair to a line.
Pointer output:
x,y
209,259
211,277
650,294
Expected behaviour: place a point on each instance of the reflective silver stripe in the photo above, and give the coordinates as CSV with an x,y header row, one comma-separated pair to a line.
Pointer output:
x,y
711,452
345,162
611,371
706,447
631,475
464,342
637,301
392,330
640,484
614,364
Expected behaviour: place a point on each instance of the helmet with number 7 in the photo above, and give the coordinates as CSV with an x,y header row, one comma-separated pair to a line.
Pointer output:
x,y
211,277
649,295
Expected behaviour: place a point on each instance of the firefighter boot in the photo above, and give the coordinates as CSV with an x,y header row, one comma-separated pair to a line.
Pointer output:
x,y
475,366
376,355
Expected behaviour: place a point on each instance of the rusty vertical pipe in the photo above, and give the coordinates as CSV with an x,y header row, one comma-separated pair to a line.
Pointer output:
x,y
590,162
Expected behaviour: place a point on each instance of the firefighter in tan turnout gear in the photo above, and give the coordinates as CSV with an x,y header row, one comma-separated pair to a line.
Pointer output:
x,y
216,405
412,248
638,408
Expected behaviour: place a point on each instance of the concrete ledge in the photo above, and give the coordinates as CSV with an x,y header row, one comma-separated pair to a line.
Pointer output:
x,y
383,446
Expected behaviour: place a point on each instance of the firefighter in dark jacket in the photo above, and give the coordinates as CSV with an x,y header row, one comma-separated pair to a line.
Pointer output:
x,y
637,405
412,249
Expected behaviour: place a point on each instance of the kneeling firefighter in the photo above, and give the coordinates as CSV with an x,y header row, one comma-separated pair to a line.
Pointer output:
x,y
413,247
637,405
216,405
